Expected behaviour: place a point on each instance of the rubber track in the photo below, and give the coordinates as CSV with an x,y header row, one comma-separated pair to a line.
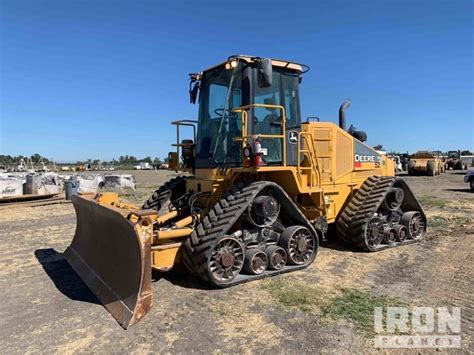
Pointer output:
x,y
219,220
365,202
158,197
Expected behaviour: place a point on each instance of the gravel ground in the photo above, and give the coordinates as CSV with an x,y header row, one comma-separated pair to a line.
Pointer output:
x,y
47,308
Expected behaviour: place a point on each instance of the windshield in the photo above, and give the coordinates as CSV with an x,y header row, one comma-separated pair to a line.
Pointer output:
x,y
220,93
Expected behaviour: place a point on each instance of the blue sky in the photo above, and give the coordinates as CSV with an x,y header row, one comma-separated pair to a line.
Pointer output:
x,y
100,79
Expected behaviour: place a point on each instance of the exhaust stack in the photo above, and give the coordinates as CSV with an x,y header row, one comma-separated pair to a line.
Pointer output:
x,y
342,113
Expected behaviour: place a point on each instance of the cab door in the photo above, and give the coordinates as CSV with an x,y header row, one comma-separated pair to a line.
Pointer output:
x,y
269,121
291,102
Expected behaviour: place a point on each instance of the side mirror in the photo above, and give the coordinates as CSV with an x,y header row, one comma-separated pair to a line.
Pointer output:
x,y
193,92
265,73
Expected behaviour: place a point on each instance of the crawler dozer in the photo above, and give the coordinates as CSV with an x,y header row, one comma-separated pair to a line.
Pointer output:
x,y
259,192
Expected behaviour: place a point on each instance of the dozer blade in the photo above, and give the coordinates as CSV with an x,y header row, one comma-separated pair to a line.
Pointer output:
x,y
112,256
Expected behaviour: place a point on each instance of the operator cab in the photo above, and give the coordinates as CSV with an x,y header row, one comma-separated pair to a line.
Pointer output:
x,y
247,105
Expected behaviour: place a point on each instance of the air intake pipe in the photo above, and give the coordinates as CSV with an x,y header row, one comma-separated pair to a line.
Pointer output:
x,y
342,113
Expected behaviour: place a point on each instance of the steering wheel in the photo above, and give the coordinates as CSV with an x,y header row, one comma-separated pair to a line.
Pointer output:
x,y
275,123
219,111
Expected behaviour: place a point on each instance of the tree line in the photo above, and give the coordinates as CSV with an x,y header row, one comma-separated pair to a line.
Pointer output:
x,y
463,152
9,160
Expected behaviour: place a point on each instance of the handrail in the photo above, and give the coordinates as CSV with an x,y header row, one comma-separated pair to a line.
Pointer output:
x,y
188,123
243,110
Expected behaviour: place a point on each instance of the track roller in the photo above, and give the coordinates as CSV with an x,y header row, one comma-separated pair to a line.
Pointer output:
x,y
276,257
389,235
394,199
300,245
226,259
263,211
256,261
414,223
374,233
401,232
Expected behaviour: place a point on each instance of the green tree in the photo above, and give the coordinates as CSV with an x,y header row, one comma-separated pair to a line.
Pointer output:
x,y
36,158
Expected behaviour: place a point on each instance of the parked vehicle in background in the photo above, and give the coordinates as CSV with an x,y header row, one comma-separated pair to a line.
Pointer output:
x,y
425,163
469,178
143,166
454,161
146,166
398,164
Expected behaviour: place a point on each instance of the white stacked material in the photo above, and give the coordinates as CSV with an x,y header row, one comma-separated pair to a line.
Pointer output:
x,y
10,186
89,183
43,184
119,181
50,184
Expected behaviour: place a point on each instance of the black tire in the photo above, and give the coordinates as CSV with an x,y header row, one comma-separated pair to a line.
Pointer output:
x,y
431,168
471,184
411,168
170,190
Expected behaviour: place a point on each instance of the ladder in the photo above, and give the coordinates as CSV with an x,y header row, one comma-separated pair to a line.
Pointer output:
x,y
307,149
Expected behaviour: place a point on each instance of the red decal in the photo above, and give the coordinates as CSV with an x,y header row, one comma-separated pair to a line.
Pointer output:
x,y
357,164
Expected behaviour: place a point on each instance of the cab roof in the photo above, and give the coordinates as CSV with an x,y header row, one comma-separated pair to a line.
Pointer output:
x,y
301,68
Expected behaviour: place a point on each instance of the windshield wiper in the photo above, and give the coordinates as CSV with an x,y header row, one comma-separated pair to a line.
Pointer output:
x,y
224,116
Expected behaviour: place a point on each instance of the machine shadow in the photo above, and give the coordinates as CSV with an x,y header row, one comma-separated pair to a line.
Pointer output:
x,y
460,190
180,277
334,242
64,277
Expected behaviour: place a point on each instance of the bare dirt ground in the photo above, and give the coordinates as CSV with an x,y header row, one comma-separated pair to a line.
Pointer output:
x,y
45,307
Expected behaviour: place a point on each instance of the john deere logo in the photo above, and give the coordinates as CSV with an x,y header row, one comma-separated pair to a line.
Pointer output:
x,y
293,137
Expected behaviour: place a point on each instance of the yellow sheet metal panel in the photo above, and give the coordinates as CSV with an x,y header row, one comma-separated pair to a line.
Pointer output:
x,y
164,260
322,142
343,152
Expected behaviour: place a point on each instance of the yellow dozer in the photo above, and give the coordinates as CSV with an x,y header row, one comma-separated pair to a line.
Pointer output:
x,y
260,191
